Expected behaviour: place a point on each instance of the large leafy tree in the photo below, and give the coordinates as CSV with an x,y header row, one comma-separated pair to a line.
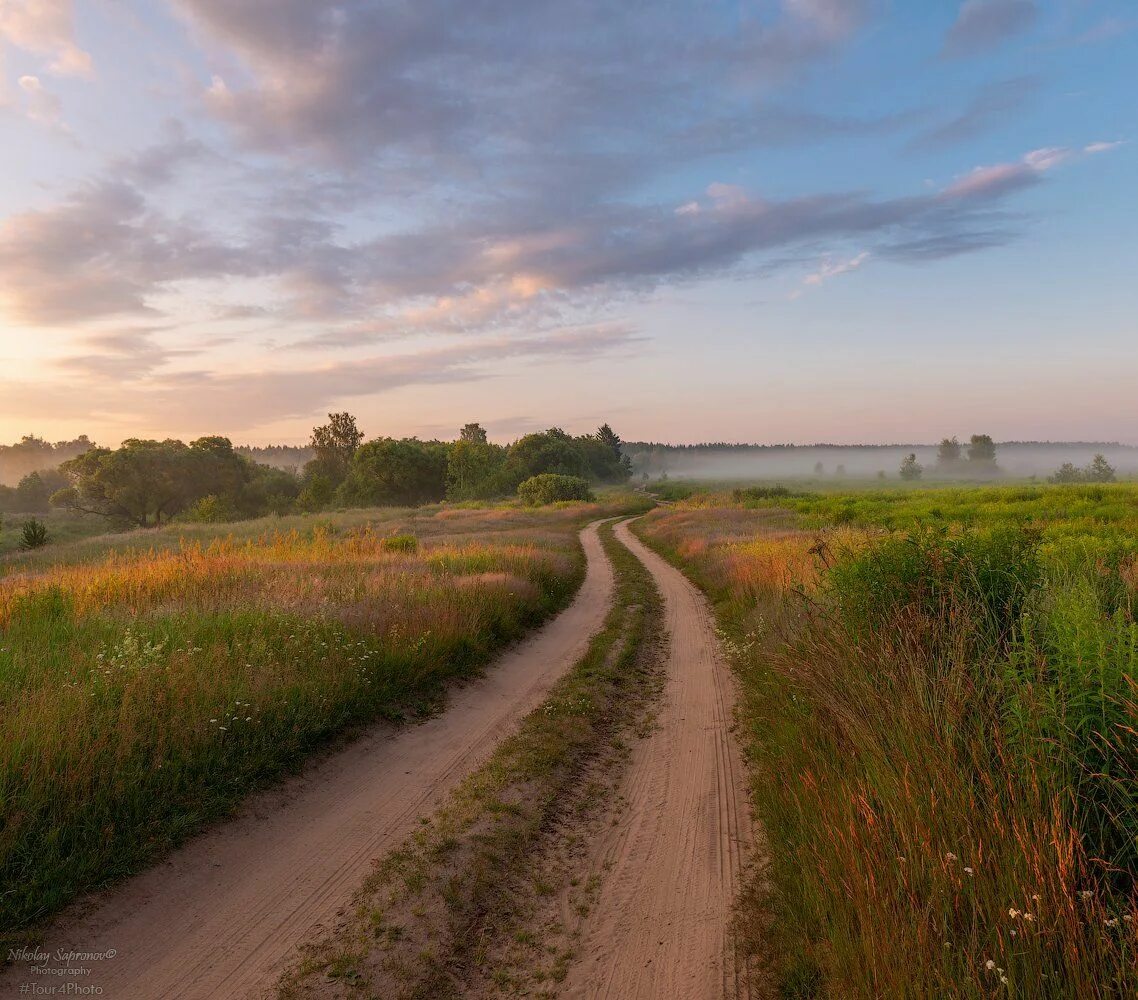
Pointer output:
x,y
389,471
149,482
474,466
948,454
982,452
334,445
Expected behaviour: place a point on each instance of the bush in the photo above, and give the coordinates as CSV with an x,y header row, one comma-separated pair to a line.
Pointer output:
x,y
549,487
33,535
931,580
400,543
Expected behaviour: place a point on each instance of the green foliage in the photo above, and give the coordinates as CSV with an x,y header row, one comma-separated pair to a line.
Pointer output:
x,y
210,509
911,469
334,445
391,472
929,579
147,483
400,543
752,494
941,731
474,467
948,454
549,487
33,534
982,453
1098,471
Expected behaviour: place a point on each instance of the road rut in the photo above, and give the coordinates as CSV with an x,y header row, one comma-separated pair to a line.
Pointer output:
x,y
671,866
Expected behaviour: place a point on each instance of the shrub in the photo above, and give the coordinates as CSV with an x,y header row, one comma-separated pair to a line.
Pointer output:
x,y
400,543
549,487
33,535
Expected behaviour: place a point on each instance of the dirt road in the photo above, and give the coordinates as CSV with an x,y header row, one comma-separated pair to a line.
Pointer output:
x,y
669,868
220,916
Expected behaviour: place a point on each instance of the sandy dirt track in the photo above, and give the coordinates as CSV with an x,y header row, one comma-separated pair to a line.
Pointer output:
x,y
671,865
218,919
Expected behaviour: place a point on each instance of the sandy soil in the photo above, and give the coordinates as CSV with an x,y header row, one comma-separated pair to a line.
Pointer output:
x,y
222,915
669,867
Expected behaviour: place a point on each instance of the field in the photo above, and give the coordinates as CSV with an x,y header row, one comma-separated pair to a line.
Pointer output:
x,y
149,680
942,732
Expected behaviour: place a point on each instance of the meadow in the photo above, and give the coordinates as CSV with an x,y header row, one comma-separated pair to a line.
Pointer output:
x,y
151,679
942,730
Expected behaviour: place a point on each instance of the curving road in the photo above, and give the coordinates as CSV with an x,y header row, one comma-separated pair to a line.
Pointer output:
x,y
221,916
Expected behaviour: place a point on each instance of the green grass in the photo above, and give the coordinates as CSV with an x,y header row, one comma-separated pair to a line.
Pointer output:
x,y
146,690
940,709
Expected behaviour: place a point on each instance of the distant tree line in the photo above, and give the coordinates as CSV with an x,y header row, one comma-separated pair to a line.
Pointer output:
x,y
345,471
145,483
34,454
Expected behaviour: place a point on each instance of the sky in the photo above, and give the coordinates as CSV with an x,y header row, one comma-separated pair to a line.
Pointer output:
x,y
747,220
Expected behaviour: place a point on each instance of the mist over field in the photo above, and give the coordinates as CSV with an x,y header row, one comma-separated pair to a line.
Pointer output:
x,y
1016,459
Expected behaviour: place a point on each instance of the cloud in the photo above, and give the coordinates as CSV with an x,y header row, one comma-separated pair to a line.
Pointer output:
x,y
102,251
1000,179
161,162
123,355
47,28
983,24
1101,147
991,106
42,106
106,250
496,87
993,181
239,401
831,268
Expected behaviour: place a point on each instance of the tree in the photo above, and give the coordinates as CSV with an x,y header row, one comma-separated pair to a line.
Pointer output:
x,y
948,454
404,472
473,434
334,444
982,452
1100,470
139,483
474,468
150,482
549,451
32,494
607,436
819,469
1066,474
911,469
840,470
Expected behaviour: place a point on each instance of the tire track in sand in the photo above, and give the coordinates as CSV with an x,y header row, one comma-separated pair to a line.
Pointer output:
x,y
671,866
223,914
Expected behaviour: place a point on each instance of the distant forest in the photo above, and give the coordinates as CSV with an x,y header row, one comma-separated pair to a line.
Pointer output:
x,y
729,460
653,458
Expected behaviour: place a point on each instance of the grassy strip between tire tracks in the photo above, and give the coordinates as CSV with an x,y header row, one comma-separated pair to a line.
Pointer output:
x,y
428,919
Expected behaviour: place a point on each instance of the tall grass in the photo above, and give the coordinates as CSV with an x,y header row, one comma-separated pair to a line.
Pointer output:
x,y
942,729
144,692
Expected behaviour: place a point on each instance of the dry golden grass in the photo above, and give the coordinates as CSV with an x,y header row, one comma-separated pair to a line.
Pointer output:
x,y
145,690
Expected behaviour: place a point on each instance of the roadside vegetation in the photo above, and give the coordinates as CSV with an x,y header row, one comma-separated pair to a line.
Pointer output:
x,y
445,914
149,680
940,712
